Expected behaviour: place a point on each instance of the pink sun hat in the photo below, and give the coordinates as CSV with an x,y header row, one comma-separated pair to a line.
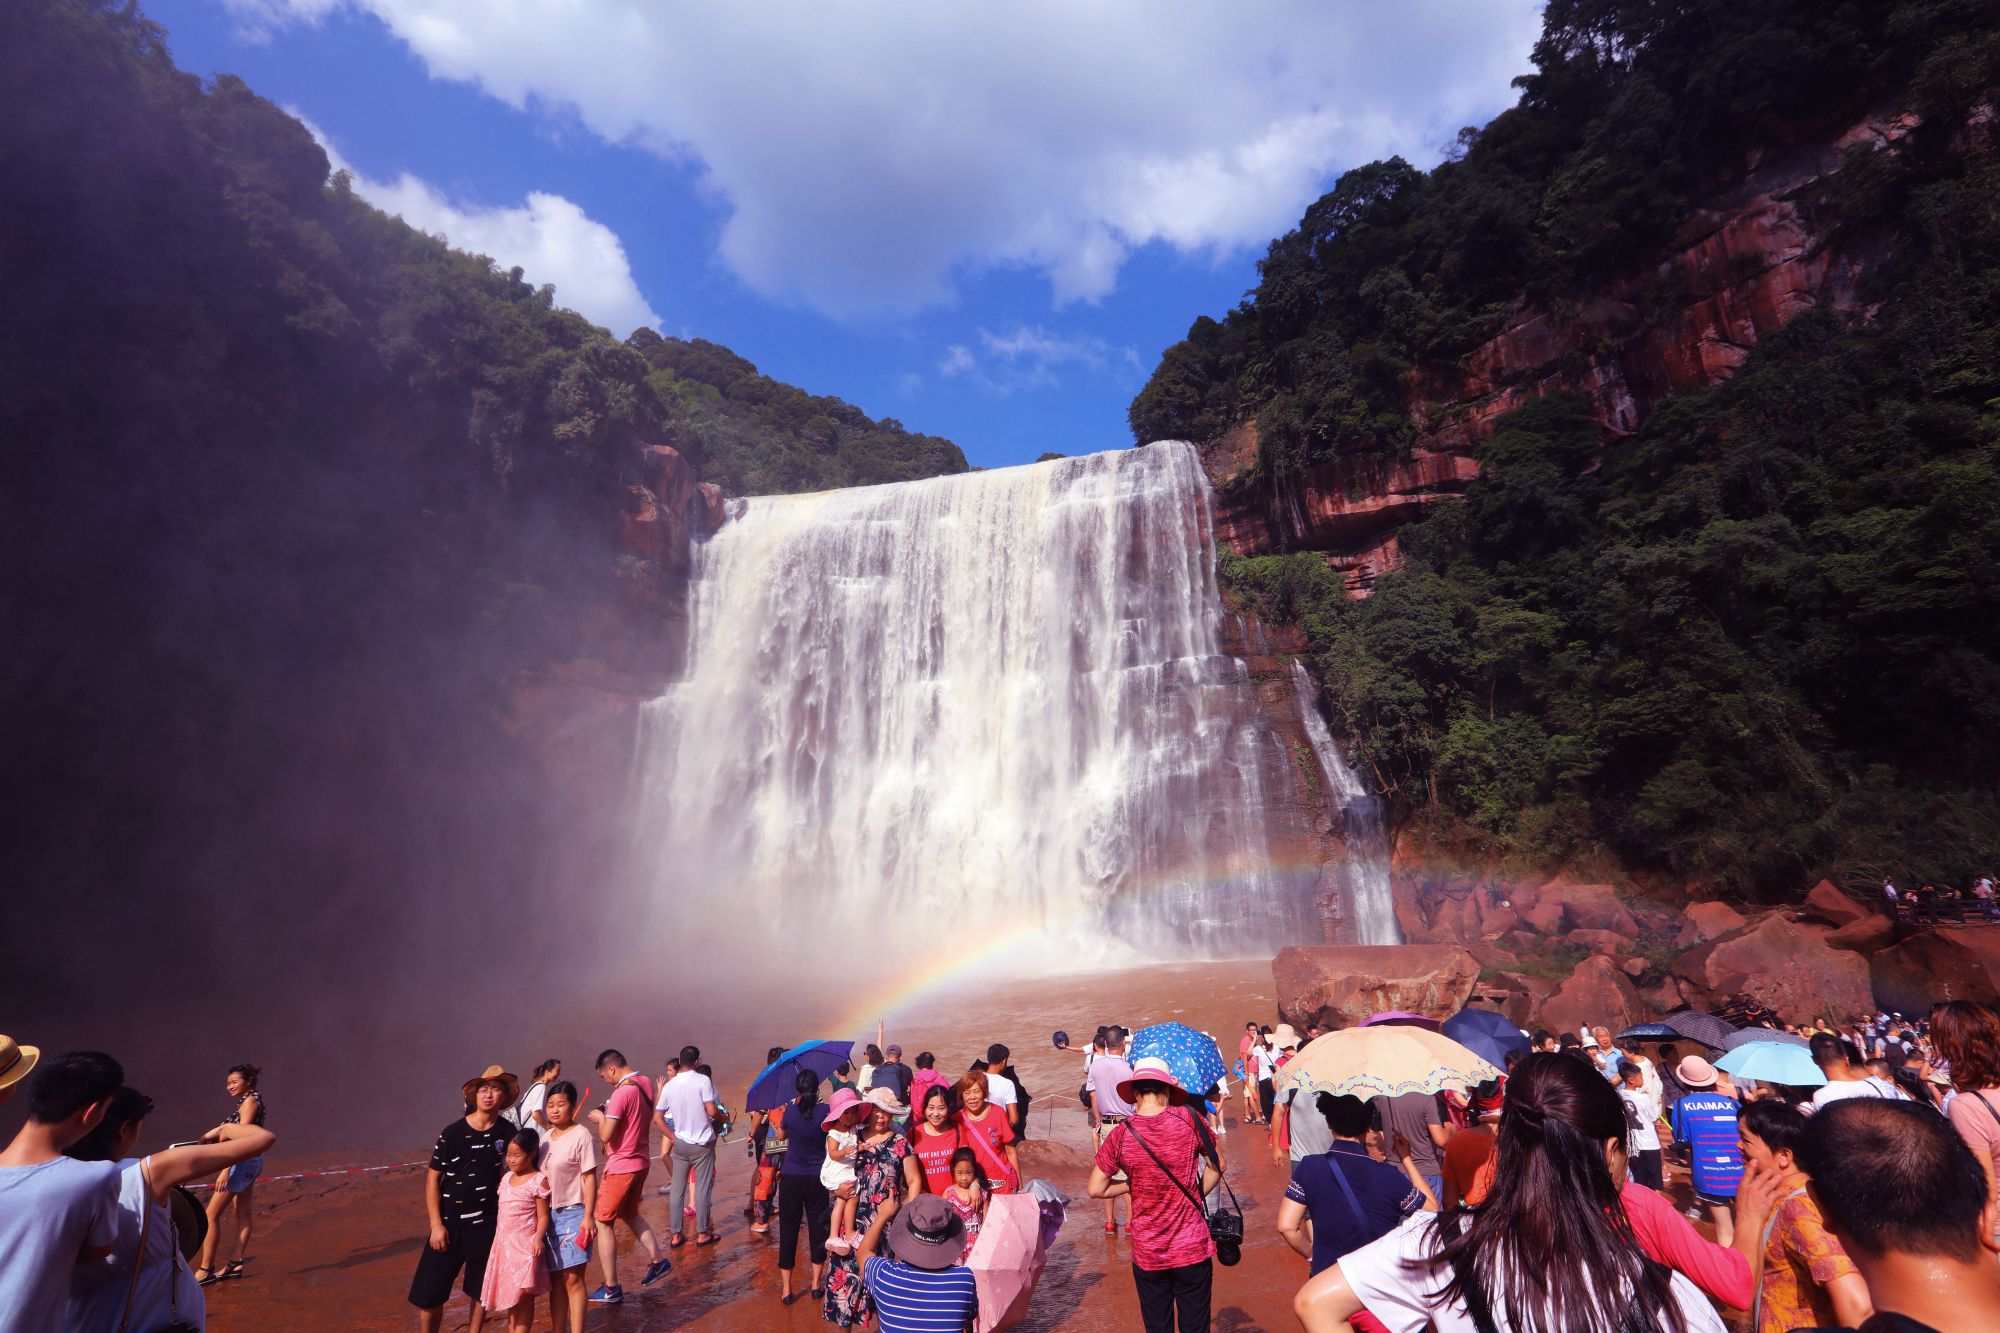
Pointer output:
x,y
844,1100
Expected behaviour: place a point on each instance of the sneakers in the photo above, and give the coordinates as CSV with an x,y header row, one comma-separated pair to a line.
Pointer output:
x,y
656,1270
608,1296
838,1244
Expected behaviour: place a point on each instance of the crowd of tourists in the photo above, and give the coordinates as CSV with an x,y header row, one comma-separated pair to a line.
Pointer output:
x,y
1543,1199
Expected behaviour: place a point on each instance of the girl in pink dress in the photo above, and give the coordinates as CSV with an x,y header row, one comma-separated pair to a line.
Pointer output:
x,y
967,1195
515,1272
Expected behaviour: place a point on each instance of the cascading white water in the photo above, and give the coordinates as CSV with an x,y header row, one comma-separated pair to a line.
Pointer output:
x,y
1367,868
967,708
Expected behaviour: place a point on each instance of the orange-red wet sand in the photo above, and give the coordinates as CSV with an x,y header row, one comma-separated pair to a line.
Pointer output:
x,y
337,1254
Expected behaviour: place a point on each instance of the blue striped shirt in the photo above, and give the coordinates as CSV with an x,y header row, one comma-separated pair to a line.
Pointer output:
x,y
921,1300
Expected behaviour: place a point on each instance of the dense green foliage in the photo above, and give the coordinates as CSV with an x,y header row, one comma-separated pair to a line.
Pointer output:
x,y
290,495
1761,639
1634,109
757,436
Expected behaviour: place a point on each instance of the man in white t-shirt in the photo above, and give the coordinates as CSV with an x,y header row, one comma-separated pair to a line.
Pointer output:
x,y
1838,1060
687,1106
1000,1088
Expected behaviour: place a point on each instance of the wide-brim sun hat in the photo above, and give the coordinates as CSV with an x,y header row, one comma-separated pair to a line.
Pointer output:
x,y
1695,1072
1152,1069
494,1074
844,1100
16,1061
1285,1037
926,1233
881,1099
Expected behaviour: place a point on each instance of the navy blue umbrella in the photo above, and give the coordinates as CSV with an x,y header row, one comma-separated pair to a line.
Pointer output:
x,y
1486,1034
1649,1032
778,1083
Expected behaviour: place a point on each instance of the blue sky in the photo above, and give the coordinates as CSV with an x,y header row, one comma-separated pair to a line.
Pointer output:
x,y
985,222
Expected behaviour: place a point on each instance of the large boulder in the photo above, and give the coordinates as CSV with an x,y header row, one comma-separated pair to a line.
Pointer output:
x,y
1337,986
1829,906
1589,906
1597,992
1783,964
1701,922
1949,963
1868,935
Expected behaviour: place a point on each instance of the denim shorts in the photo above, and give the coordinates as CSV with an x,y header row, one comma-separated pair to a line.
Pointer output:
x,y
244,1174
562,1249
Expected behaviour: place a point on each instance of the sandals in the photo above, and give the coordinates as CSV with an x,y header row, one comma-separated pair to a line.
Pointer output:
x,y
234,1268
677,1241
706,1238
209,1281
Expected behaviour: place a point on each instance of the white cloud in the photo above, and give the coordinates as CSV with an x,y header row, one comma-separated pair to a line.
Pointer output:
x,y
549,238
1030,357
869,156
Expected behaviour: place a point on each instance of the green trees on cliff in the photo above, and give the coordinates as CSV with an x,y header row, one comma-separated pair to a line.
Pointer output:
x,y
290,495
1759,639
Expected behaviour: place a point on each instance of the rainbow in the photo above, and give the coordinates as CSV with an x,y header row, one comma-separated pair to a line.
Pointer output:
x,y
928,977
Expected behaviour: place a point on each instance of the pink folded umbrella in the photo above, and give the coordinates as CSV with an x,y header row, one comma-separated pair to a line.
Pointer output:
x,y
1402,1018
1006,1261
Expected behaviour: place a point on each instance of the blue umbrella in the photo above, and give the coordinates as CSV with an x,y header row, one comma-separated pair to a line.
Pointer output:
x,y
1486,1034
1192,1055
1773,1062
1648,1032
778,1083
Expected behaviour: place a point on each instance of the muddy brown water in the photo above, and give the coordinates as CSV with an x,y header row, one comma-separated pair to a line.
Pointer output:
x,y
337,1252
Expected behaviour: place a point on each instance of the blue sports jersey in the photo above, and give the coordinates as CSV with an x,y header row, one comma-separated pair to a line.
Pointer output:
x,y
1706,1122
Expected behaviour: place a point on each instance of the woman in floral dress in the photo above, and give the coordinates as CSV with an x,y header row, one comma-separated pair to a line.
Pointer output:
x,y
879,1176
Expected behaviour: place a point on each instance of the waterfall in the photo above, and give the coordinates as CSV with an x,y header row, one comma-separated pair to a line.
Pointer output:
x,y
991,709
1367,867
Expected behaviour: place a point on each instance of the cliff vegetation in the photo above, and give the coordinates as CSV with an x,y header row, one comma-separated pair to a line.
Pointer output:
x,y
1754,636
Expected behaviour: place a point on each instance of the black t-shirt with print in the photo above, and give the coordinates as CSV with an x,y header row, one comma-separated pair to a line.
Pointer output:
x,y
470,1163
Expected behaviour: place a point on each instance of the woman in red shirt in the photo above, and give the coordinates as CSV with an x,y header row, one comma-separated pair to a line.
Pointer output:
x,y
988,1134
933,1139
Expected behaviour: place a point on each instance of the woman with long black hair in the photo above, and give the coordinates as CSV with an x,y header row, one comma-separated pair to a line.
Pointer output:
x,y
800,1195
1548,1251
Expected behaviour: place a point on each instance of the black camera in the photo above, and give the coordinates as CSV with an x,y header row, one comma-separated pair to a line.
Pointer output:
x,y
1226,1230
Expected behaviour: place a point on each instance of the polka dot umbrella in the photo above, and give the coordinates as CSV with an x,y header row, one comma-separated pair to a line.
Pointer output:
x,y
1192,1055
1385,1061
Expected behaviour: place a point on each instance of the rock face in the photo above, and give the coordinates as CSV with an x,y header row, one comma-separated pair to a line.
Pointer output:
x,y
1780,963
1949,963
1742,267
1339,986
1701,922
1597,992
1827,905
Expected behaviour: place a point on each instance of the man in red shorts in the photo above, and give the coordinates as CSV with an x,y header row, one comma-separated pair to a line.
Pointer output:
x,y
624,1125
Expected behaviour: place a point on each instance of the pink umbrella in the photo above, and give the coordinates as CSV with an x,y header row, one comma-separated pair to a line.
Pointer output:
x,y
1402,1018
1006,1261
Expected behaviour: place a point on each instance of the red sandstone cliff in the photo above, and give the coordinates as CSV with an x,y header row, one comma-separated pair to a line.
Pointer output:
x,y
1742,267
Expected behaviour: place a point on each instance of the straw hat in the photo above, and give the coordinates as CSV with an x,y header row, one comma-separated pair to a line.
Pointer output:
x,y
926,1233
16,1061
1152,1069
882,1099
494,1074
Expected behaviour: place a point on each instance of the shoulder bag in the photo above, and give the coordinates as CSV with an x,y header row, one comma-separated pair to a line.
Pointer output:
x,y
175,1323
